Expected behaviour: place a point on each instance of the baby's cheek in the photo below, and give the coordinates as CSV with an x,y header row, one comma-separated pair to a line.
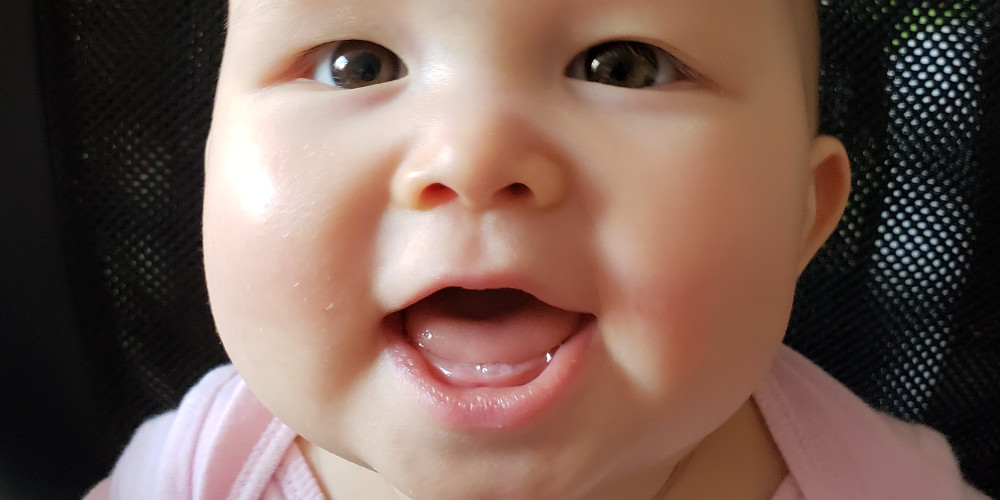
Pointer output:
x,y
291,310
287,272
687,309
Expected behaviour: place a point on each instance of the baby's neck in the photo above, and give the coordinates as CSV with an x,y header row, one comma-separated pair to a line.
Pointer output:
x,y
737,461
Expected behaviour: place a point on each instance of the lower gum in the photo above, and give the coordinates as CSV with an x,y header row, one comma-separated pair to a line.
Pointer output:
x,y
477,376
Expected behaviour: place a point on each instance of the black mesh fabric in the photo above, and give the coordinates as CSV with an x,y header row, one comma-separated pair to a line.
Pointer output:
x,y
128,88
901,305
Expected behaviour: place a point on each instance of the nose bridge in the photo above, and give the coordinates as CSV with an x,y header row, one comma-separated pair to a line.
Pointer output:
x,y
479,145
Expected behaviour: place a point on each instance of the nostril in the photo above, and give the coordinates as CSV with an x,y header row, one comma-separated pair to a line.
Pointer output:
x,y
436,194
517,190
436,189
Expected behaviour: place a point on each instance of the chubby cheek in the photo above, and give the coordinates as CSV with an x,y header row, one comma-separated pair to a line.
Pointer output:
x,y
287,256
702,270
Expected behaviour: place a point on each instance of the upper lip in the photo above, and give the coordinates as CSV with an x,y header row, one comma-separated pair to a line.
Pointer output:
x,y
523,282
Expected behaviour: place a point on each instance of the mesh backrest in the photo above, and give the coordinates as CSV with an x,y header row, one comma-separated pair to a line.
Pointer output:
x,y
901,304
128,89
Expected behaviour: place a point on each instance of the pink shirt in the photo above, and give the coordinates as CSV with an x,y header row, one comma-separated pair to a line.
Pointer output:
x,y
836,446
222,443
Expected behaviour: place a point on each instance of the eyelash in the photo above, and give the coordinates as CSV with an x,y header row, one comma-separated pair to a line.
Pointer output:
x,y
352,64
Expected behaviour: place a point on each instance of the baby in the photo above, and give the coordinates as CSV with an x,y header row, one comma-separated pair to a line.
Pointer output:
x,y
520,250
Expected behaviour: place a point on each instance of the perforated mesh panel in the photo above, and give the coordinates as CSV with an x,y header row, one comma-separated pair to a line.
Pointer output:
x,y
128,89
902,304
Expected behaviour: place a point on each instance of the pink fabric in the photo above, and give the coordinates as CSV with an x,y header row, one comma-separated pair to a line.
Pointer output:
x,y
223,444
838,447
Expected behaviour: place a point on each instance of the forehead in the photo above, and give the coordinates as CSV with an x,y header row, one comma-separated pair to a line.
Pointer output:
x,y
722,13
714,27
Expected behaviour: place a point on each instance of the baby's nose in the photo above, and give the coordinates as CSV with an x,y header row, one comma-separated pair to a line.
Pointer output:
x,y
482,156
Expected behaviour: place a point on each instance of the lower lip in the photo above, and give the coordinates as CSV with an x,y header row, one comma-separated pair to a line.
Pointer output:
x,y
498,408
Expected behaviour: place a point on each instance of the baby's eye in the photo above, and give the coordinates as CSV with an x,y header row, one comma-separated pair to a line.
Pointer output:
x,y
356,63
625,64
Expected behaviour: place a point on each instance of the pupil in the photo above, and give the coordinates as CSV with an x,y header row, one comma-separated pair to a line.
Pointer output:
x,y
368,66
356,67
620,69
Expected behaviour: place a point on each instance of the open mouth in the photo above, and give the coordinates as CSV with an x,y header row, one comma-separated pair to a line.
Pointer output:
x,y
500,337
490,359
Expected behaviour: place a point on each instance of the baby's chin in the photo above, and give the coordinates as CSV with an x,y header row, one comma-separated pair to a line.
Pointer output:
x,y
536,474
580,451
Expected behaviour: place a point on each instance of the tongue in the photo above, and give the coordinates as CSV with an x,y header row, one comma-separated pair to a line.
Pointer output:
x,y
501,337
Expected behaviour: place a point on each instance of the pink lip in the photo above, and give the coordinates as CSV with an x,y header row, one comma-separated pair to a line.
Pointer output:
x,y
491,408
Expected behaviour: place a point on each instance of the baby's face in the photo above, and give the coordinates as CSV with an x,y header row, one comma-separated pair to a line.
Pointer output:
x,y
510,248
